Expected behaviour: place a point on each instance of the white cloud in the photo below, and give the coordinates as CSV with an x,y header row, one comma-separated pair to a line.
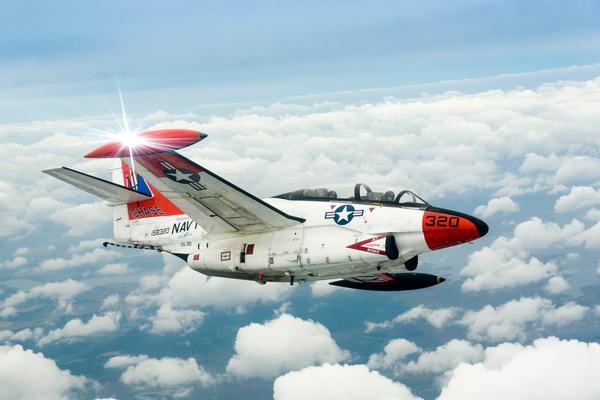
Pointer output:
x,y
14,227
591,237
395,351
535,234
21,251
579,197
114,269
190,288
22,335
336,381
110,301
445,357
593,214
15,262
538,163
548,369
76,260
76,328
124,361
436,317
26,334
322,288
494,268
166,372
28,375
556,284
579,169
63,292
513,319
168,320
507,261
498,205
82,218
282,344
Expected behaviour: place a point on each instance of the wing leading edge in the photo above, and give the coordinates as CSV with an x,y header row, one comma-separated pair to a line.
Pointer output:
x,y
214,203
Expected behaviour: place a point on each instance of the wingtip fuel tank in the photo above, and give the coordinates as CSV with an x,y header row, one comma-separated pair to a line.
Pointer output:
x,y
146,143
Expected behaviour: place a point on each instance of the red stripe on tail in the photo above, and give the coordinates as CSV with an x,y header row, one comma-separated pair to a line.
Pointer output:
x,y
157,206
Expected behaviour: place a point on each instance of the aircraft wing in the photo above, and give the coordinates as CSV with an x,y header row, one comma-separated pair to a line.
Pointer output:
x,y
214,203
384,281
109,191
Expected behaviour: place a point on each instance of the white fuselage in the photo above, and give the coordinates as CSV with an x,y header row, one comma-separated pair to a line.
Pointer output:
x,y
338,239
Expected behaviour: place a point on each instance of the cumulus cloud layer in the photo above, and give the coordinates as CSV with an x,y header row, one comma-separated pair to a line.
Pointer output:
x,y
396,354
445,357
162,372
339,382
437,317
181,295
579,197
169,320
497,205
443,145
25,374
76,328
190,288
548,369
396,350
507,262
282,344
512,320
63,292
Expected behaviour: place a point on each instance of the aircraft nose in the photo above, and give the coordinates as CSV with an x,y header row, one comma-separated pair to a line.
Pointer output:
x,y
481,226
445,228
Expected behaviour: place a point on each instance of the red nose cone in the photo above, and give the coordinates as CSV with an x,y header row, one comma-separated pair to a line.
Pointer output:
x,y
445,228
151,142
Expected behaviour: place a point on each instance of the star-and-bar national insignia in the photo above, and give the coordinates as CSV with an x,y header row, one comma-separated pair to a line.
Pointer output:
x,y
344,214
182,176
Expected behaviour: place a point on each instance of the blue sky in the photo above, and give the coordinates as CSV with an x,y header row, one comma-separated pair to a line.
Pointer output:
x,y
256,51
487,108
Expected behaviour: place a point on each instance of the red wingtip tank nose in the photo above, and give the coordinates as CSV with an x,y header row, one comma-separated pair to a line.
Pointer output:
x,y
151,142
445,228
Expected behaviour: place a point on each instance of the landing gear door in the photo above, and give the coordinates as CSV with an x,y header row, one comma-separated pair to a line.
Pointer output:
x,y
284,252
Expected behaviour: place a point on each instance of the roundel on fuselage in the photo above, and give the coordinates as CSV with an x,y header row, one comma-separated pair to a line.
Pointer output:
x,y
343,214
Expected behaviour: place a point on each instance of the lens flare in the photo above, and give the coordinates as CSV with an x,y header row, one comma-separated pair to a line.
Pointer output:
x,y
132,139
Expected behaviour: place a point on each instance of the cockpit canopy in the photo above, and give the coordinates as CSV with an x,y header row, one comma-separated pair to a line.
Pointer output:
x,y
362,193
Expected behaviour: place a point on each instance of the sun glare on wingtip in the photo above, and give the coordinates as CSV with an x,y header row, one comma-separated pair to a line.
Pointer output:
x,y
131,139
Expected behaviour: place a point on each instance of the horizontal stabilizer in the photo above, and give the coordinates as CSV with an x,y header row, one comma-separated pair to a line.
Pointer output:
x,y
112,192
385,282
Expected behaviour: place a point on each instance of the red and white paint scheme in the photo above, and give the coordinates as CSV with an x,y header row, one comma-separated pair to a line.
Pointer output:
x,y
368,240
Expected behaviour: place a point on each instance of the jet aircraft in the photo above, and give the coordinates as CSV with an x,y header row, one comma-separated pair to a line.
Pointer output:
x,y
367,240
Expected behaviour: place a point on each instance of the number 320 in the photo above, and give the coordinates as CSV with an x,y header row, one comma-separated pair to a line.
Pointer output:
x,y
441,221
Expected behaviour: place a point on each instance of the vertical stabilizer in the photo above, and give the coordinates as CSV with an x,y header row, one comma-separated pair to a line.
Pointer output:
x,y
157,206
138,213
121,227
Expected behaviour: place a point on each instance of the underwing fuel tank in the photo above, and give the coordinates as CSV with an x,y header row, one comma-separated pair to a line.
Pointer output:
x,y
385,282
